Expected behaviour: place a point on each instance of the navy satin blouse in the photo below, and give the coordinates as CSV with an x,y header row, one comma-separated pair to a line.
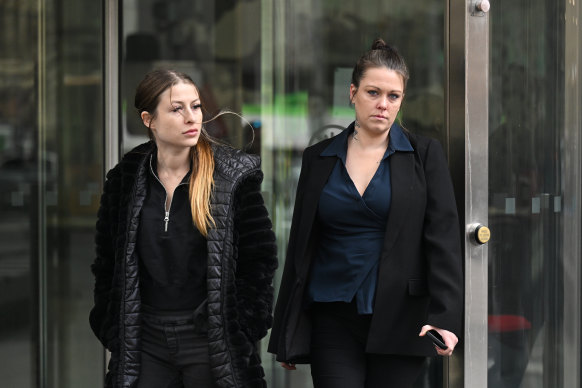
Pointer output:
x,y
353,226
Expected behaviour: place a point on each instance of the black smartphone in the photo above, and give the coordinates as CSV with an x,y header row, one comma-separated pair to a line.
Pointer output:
x,y
436,339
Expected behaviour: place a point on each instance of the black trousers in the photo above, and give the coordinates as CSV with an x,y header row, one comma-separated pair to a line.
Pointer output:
x,y
338,356
174,350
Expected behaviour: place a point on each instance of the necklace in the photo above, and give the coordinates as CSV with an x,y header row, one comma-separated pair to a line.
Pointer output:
x,y
354,137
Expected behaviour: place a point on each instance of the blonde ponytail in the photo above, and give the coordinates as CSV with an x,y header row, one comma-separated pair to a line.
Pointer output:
x,y
201,183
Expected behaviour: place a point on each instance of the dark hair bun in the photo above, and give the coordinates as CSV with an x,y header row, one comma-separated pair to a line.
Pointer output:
x,y
379,44
380,55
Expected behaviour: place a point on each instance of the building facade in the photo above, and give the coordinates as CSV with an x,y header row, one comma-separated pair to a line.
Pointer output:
x,y
500,89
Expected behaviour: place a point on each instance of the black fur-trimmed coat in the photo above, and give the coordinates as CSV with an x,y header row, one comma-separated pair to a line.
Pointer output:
x,y
241,263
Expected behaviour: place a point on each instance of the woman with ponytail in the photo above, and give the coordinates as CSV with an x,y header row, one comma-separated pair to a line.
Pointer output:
x,y
185,252
374,258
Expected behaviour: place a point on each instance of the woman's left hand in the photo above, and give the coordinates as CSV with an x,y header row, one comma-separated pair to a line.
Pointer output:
x,y
449,338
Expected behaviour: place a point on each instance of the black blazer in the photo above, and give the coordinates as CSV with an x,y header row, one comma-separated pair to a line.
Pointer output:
x,y
420,279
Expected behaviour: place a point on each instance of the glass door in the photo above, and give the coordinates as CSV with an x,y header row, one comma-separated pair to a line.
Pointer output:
x,y
534,267
522,167
51,127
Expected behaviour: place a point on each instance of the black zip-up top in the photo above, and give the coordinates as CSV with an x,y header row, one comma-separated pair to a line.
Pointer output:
x,y
241,261
171,250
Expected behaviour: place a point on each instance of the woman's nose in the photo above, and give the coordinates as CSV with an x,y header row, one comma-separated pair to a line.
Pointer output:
x,y
189,115
383,103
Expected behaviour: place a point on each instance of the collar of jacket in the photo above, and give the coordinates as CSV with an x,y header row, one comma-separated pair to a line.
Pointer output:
x,y
229,162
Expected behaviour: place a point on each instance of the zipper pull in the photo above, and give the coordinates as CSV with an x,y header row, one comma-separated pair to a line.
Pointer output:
x,y
166,220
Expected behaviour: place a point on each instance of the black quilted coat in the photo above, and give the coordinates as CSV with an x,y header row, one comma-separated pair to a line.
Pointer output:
x,y
241,263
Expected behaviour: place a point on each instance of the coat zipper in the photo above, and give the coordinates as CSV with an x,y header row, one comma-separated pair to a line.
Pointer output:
x,y
166,210
167,218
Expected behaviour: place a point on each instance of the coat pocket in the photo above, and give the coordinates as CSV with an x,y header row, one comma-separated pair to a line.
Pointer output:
x,y
417,287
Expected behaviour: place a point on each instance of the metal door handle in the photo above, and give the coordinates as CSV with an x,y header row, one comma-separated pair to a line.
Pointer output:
x,y
479,234
483,6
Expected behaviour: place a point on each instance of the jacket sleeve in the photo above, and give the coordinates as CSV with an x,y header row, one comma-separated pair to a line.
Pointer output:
x,y
289,277
103,266
256,261
442,244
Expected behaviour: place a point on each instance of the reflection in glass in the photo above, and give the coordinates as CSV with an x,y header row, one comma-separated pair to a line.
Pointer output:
x,y
51,171
18,185
527,199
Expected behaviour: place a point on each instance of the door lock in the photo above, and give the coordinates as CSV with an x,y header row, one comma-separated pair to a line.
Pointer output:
x,y
479,234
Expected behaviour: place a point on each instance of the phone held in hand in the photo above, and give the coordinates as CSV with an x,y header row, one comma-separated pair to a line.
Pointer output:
x,y
436,339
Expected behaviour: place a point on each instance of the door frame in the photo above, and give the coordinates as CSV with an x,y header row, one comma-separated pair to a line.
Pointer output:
x,y
466,115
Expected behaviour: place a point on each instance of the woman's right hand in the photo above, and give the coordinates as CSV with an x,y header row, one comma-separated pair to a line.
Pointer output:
x,y
288,366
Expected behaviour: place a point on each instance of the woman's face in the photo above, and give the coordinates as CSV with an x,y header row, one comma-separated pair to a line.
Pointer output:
x,y
178,119
378,98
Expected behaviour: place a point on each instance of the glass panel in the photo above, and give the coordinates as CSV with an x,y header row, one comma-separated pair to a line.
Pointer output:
x,y
18,187
72,134
534,165
51,149
286,65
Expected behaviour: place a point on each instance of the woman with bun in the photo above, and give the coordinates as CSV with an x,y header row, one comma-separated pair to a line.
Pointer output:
x,y
374,258
185,252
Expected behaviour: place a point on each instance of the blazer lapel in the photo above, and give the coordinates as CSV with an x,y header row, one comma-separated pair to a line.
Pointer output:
x,y
320,171
402,175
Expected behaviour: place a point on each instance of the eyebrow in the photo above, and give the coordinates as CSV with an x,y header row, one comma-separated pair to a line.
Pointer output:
x,y
181,102
379,88
389,91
